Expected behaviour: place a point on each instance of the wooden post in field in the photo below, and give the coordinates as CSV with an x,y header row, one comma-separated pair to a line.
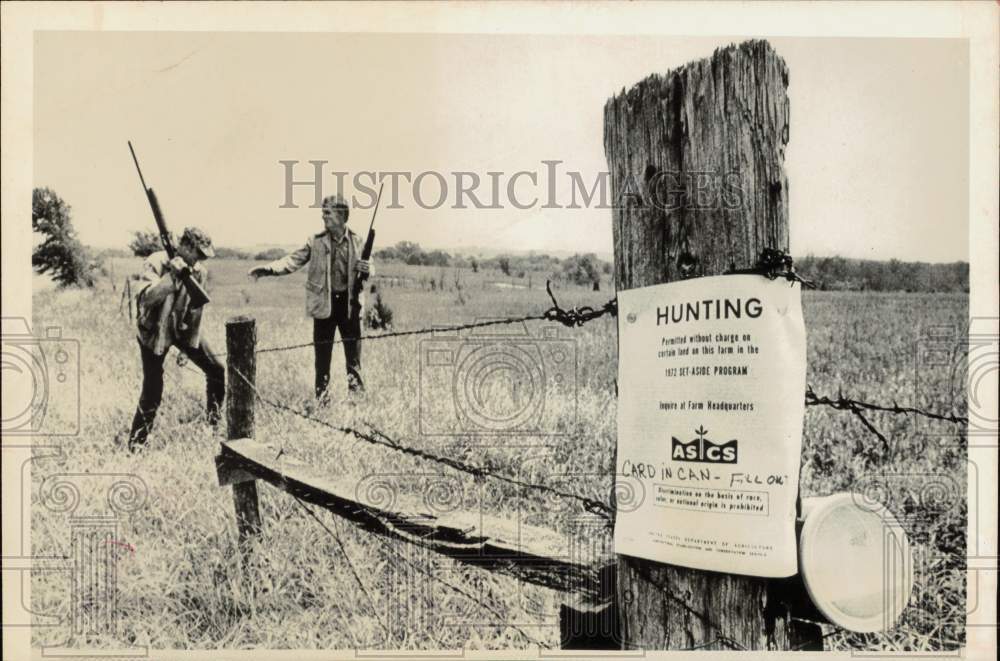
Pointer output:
x,y
241,374
126,298
696,159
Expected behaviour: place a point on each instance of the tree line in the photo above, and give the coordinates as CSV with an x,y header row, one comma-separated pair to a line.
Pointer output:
x,y
844,274
59,253
582,269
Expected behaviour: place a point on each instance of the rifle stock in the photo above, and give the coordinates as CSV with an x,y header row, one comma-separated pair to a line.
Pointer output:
x,y
196,293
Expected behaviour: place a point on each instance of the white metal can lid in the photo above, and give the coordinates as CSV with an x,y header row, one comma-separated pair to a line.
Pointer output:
x,y
855,561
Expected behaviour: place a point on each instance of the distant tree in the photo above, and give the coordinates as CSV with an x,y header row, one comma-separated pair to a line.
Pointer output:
x,y
436,258
60,252
409,252
144,244
231,253
474,263
541,262
270,254
582,269
503,261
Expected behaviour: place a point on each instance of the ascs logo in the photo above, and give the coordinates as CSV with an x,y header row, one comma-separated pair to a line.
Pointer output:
x,y
703,450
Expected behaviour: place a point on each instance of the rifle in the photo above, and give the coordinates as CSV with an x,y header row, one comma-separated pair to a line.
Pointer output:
x,y
195,292
366,253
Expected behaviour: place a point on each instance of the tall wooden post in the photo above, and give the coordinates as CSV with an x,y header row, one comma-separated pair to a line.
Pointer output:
x,y
696,159
241,375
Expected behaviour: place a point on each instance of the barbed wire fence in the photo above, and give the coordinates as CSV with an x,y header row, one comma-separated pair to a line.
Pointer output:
x,y
573,318
334,534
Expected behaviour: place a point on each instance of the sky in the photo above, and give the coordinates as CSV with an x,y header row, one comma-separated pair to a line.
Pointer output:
x,y
877,160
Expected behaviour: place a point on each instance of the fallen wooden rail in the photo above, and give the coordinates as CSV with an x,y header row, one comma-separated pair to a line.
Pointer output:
x,y
527,553
574,564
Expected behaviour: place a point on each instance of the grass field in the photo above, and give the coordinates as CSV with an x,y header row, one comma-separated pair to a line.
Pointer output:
x,y
181,586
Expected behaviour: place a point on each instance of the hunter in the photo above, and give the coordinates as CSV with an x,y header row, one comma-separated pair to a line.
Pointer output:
x,y
165,319
333,258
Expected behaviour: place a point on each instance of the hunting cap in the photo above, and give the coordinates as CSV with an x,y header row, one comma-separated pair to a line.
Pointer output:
x,y
199,240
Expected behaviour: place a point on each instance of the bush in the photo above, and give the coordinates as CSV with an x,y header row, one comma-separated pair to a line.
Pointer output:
x,y
582,269
436,258
60,252
378,314
409,252
144,244
231,253
270,254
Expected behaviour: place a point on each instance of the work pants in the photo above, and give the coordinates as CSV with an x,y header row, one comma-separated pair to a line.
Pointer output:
x,y
324,331
152,388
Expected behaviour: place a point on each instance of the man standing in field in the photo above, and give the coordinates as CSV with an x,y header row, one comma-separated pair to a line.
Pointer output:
x,y
333,258
166,319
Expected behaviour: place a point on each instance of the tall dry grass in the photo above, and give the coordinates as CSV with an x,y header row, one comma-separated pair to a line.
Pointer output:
x,y
184,587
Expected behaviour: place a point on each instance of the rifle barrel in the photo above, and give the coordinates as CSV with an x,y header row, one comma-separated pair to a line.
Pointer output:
x,y
375,212
136,161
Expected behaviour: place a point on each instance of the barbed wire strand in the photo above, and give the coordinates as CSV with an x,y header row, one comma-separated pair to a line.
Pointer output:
x,y
886,447
419,331
578,316
336,537
357,577
591,505
846,404
774,264
571,317
388,546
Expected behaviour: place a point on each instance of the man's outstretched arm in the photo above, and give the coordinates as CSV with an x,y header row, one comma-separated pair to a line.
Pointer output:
x,y
288,264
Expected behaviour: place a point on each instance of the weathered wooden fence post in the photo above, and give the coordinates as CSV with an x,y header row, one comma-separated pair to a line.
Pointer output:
x,y
241,374
696,160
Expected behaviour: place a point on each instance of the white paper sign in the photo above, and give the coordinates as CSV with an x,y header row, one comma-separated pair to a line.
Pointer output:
x,y
711,400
